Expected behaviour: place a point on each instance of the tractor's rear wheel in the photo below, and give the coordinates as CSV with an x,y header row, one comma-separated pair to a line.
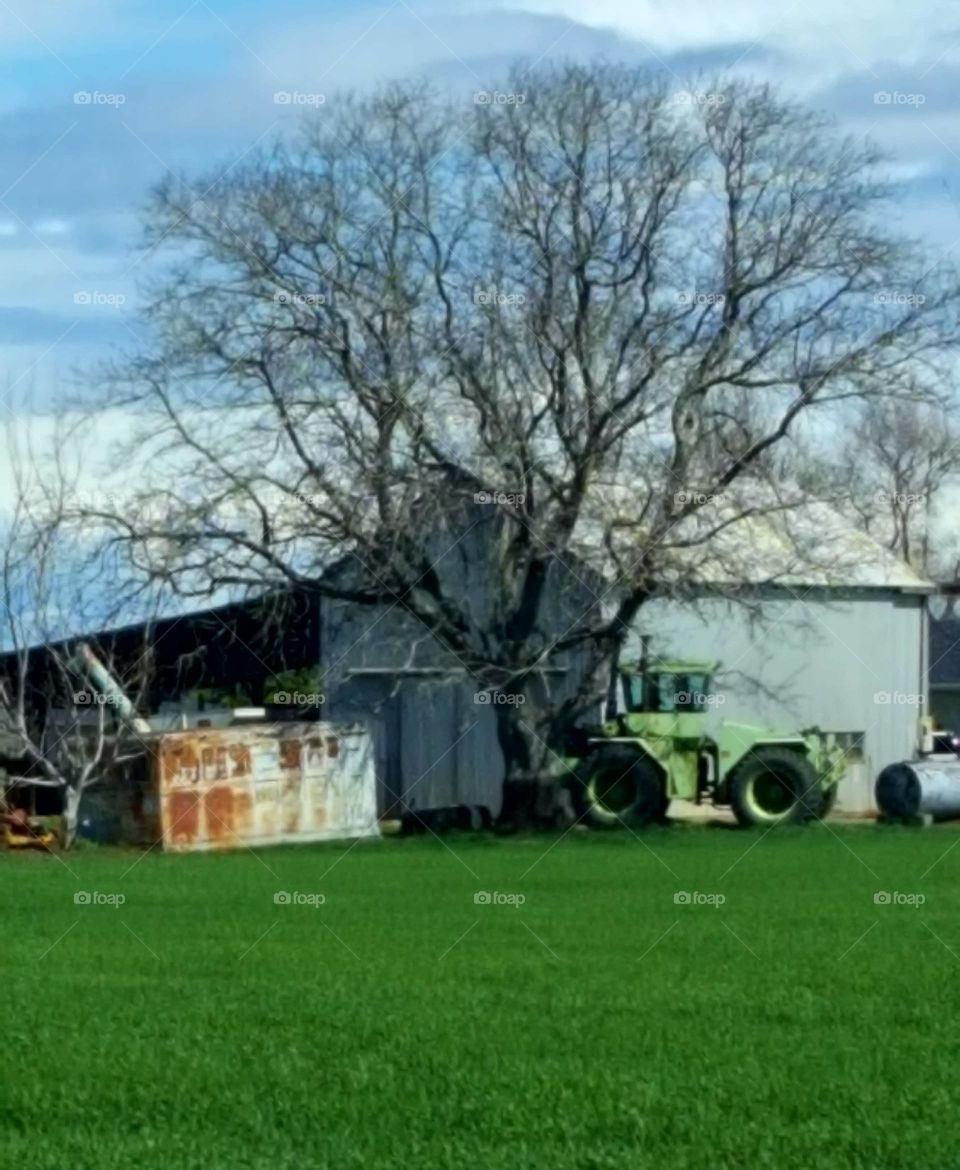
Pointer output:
x,y
774,786
617,785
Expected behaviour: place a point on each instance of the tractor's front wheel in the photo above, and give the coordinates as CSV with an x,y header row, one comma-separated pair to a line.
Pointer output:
x,y
774,786
617,785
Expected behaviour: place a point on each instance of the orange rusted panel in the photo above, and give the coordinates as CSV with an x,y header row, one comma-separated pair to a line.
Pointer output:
x,y
264,784
181,815
218,811
240,759
181,759
290,753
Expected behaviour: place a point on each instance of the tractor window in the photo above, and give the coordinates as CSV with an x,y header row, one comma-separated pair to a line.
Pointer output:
x,y
669,687
636,692
667,692
694,693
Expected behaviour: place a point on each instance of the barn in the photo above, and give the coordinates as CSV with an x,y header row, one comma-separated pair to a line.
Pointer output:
x,y
834,638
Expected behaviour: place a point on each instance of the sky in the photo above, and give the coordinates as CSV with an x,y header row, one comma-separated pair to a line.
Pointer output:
x,y
99,99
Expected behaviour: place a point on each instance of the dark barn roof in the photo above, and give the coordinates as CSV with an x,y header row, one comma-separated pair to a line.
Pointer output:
x,y
238,644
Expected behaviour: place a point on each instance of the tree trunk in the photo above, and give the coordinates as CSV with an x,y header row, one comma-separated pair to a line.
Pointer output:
x,y
529,789
70,821
531,729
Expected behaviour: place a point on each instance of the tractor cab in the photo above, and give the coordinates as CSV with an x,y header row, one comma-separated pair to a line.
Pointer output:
x,y
668,687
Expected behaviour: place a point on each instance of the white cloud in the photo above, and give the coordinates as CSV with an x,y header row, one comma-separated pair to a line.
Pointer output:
x,y
851,34
52,227
445,42
41,27
84,450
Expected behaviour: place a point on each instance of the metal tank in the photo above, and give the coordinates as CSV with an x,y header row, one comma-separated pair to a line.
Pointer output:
x,y
918,788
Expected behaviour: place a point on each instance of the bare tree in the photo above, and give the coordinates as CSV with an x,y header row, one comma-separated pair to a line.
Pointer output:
x,y
65,726
894,468
552,307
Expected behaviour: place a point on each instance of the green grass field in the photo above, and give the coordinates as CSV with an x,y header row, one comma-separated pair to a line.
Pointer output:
x,y
599,1024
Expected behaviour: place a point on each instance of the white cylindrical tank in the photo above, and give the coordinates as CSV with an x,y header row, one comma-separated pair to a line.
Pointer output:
x,y
918,788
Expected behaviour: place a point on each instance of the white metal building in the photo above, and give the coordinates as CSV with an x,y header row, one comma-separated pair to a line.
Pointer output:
x,y
842,648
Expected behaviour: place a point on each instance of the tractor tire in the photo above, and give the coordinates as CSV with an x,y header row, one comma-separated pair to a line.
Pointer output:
x,y
827,798
662,805
774,786
617,785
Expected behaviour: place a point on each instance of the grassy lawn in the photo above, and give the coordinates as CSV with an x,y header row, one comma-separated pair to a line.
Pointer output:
x,y
400,1024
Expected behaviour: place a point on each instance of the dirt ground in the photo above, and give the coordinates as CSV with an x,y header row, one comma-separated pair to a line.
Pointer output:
x,y
706,814
687,810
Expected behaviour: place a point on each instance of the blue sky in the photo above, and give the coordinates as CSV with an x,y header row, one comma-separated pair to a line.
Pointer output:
x,y
190,84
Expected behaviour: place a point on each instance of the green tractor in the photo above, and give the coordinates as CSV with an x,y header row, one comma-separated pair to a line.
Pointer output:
x,y
659,748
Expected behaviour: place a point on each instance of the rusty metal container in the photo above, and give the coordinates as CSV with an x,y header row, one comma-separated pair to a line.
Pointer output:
x,y
264,784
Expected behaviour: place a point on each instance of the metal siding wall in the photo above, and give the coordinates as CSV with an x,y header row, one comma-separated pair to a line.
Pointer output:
x,y
450,753
428,765
431,716
479,759
824,662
